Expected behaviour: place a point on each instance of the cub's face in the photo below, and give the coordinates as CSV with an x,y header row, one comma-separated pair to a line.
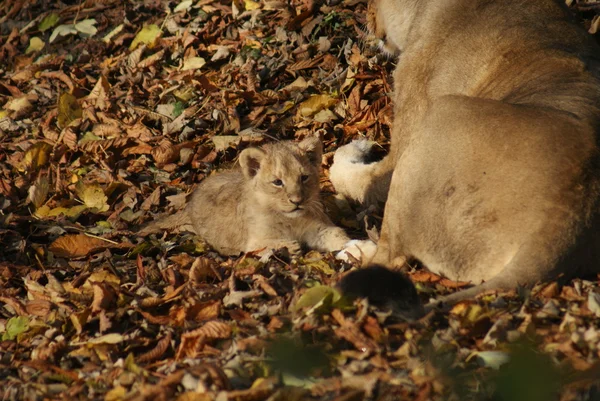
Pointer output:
x,y
288,184
285,175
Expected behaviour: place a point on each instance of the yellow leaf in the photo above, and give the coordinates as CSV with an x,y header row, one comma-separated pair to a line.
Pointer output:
x,y
116,394
148,35
101,276
42,211
35,44
68,109
72,212
314,104
193,63
36,156
112,338
92,196
3,113
251,5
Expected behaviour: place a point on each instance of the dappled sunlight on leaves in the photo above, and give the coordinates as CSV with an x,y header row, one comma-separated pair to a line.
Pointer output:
x,y
112,112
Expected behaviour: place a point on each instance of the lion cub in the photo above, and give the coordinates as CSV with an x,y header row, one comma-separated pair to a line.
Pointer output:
x,y
272,202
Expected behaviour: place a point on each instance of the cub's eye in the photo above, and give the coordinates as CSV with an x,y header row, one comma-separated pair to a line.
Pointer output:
x,y
304,178
277,183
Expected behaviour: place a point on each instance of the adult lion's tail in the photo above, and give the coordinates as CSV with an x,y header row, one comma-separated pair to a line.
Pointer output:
x,y
386,288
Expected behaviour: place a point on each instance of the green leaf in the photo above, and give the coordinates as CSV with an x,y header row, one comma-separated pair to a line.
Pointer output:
x,y
63,30
491,359
15,326
48,22
314,261
184,5
87,27
178,108
320,297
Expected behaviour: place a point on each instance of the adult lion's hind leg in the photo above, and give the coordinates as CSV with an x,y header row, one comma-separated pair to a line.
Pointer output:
x,y
353,177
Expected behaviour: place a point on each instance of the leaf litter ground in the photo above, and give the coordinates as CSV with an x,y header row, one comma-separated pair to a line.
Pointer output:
x,y
113,111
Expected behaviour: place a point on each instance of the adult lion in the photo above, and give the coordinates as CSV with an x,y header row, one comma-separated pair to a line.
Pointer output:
x,y
494,170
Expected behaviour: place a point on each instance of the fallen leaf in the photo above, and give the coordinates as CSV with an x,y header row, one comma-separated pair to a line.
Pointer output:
x,y
37,193
315,104
222,142
87,27
193,63
62,30
68,109
35,45
92,197
76,245
319,297
594,302
112,338
48,22
147,35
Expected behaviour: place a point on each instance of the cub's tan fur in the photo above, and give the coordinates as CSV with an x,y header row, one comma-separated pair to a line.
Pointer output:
x,y
271,203
494,171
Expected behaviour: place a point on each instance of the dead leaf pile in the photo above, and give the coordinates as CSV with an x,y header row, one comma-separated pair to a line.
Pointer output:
x,y
111,112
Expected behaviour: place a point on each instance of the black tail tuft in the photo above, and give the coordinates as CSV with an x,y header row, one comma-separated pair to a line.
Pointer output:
x,y
386,288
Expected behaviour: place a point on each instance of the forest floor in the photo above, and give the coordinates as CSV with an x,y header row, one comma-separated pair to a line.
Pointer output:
x,y
111,112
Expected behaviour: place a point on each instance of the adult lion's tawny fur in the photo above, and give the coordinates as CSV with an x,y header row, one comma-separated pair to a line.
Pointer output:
x,y
494,171
271,202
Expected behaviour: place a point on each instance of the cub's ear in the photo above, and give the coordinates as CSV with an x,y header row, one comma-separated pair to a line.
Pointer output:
x,y
250,160
313,148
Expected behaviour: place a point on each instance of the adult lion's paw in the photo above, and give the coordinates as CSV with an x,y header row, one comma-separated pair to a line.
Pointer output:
x,y
354,152
350,173
362,250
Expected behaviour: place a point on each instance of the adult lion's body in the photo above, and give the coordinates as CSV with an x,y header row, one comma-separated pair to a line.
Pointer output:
x,y
494,169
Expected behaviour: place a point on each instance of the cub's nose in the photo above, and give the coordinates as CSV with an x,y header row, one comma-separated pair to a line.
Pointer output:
x,y
295,199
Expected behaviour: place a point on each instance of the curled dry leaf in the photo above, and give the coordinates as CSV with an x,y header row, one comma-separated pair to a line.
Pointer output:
x,y
158,351
211,330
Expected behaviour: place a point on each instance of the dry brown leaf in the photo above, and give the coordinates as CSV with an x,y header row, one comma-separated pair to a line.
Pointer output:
x,y
158,351
152,200
165,153
203,311
105,297
19,308
211,330
305,64
76,245
38,307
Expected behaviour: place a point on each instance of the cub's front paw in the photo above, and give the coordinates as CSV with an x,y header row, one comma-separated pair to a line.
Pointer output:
x,y
362,250
354,152
293,248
